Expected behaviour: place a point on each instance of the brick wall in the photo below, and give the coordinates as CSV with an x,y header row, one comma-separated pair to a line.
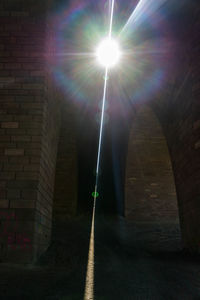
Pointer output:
x,y
150,188
179,112
27,132
48,157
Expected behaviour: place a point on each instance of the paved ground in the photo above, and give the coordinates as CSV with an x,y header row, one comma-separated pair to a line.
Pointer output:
x,y
131,261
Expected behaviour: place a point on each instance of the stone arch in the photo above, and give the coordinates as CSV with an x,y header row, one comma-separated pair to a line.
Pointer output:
x,y
150,193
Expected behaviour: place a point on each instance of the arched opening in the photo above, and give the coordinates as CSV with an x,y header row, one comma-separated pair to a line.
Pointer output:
x,y
150,194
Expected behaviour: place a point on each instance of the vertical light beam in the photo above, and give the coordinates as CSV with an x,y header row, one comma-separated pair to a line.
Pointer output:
x,y
103,103
102,120
111,18
89,285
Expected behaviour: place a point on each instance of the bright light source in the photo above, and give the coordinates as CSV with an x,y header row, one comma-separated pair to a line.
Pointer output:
x,y
108,53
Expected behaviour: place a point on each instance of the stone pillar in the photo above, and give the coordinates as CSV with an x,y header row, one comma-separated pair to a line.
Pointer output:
x,y
28,132
179,113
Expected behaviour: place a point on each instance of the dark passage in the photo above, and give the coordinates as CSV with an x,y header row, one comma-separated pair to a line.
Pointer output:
x,y
111,179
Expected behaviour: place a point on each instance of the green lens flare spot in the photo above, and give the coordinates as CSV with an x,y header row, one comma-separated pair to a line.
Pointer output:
x,y
106,78
95,194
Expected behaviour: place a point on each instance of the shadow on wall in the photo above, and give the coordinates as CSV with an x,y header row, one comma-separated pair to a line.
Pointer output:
x,y
65,191
150,194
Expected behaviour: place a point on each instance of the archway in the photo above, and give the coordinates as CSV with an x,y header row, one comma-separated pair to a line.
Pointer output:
x,y
150,194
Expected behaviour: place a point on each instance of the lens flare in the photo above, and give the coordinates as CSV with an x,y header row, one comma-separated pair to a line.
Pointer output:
x,y
108,53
